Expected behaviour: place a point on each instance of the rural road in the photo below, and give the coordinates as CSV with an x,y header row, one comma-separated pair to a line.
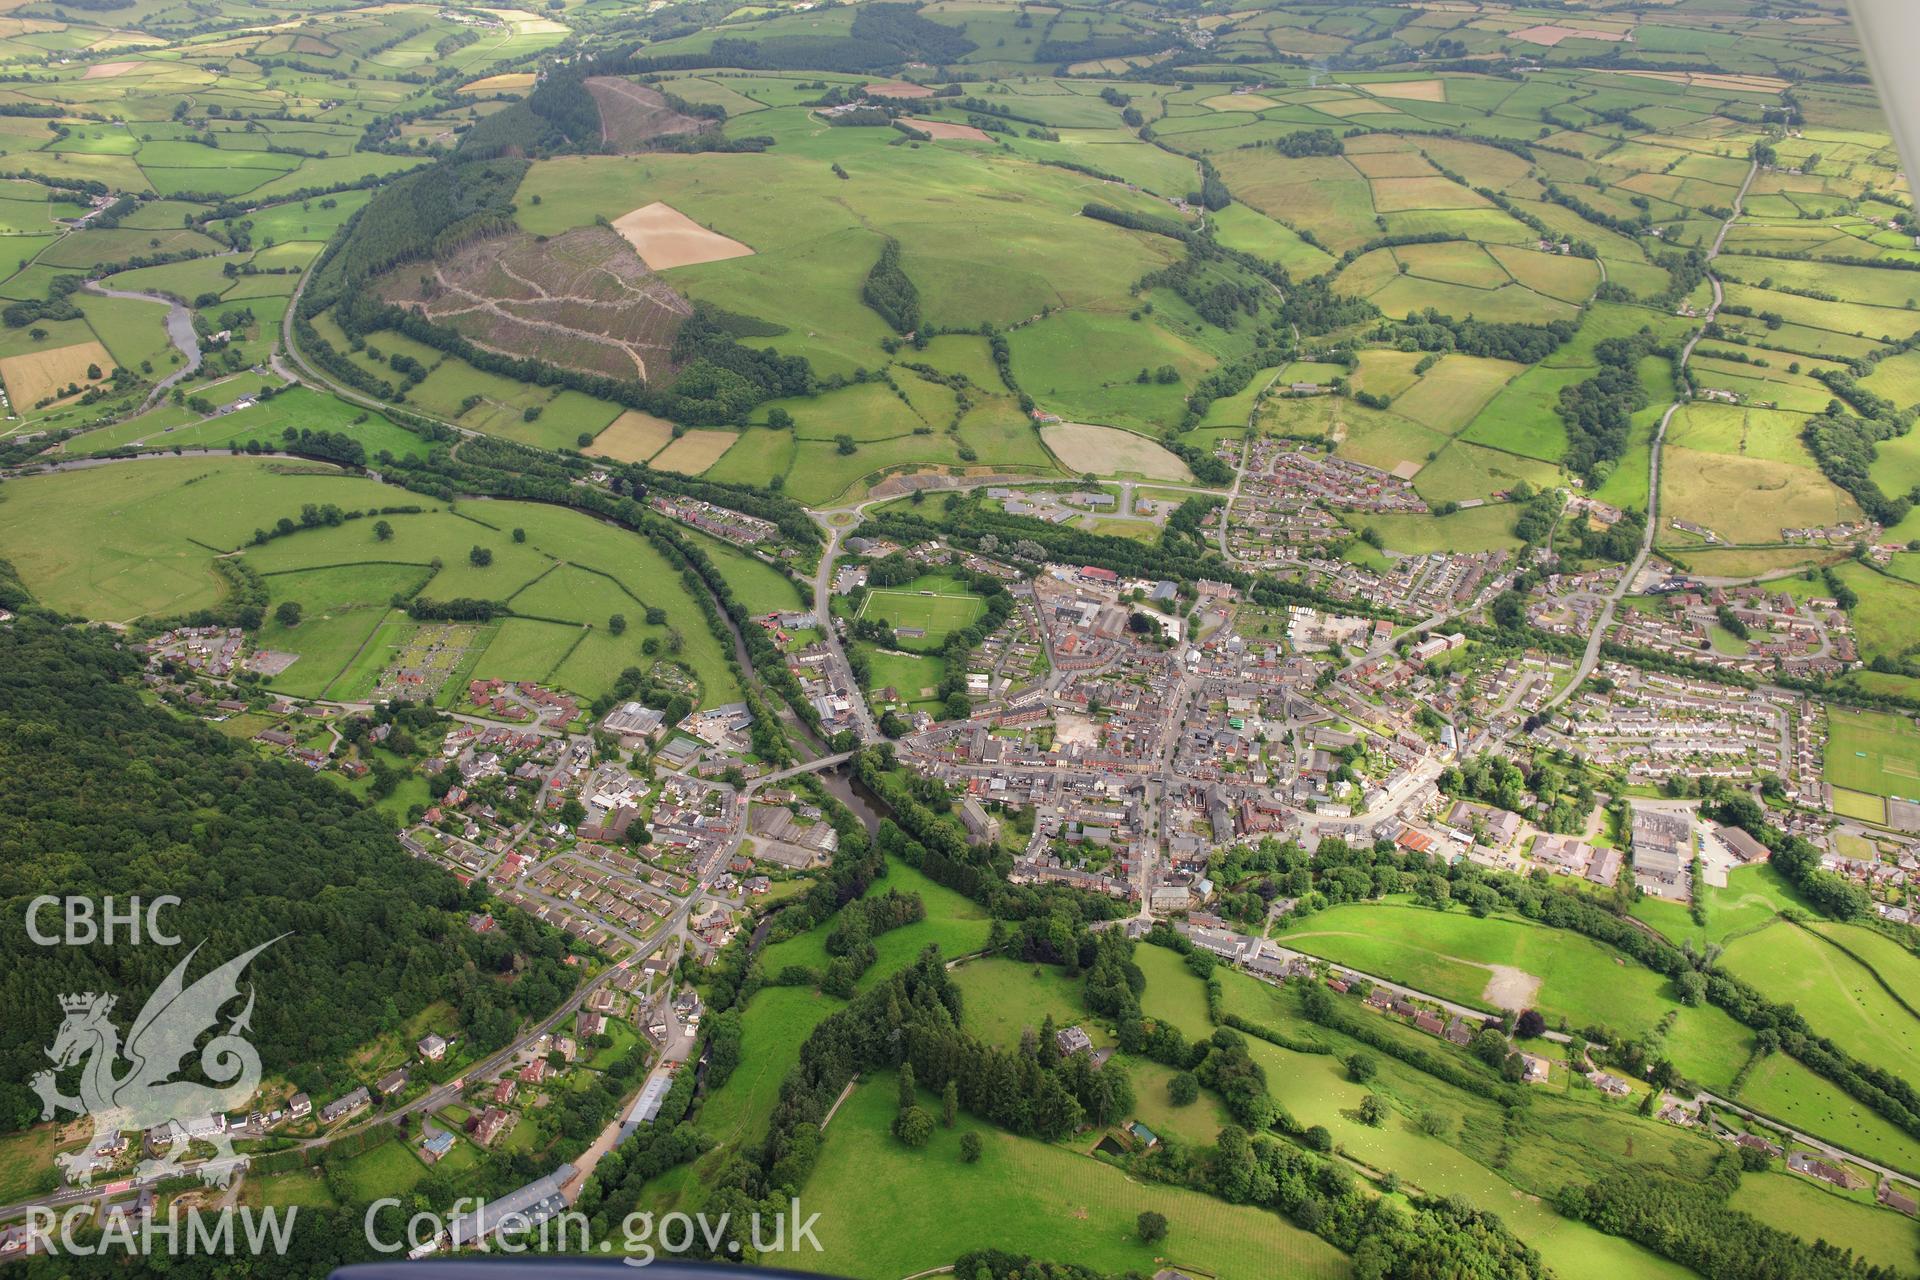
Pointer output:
x,y
1604,623
1233,494
869,731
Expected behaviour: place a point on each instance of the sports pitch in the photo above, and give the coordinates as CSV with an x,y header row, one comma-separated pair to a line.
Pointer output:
x,y
1873,752
936,614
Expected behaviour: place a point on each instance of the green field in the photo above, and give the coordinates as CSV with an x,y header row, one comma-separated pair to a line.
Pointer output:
x,y
955,924
812,244
935,610
1173,993
1575,1137
1812,1212
570,574
1004,998
1895,966
114,542
1752,898
914,677
779,1018
295,1188
1843,999
134,539
1488,528
1496,963
1027,1196
1136,224
388,1169
1783,1090
1875,752
169,426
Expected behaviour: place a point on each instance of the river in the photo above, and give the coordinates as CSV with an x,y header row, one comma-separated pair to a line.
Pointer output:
x,y
865,805
180,332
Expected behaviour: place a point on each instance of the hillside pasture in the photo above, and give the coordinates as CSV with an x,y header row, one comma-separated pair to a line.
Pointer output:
x,y
984,234
1087,449
568,577
1049,359
134,539
1747,499
1802,1206
1025,1196
1843,999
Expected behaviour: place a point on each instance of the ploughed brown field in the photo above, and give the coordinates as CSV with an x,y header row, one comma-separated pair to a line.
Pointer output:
x,y
666,238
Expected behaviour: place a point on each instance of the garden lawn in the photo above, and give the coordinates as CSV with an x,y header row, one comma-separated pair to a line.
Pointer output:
x,y
1004,998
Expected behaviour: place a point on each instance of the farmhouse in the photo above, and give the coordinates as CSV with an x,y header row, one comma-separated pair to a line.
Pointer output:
x,y
1072,1040
1802,1163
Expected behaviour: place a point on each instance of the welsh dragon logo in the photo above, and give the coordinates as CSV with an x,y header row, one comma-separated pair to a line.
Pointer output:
x,y
144,1096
